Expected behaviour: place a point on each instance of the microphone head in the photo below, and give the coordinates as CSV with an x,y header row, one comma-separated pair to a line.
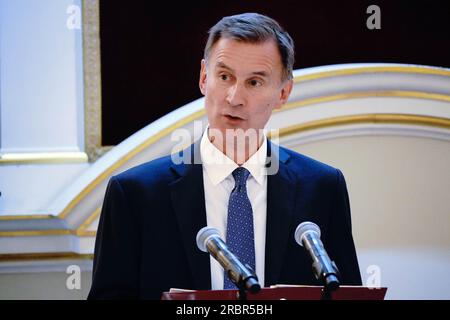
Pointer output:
x,y
304,228
203,235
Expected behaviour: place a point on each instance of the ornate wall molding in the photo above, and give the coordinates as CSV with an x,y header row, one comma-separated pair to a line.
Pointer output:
x,y
92,80
331,107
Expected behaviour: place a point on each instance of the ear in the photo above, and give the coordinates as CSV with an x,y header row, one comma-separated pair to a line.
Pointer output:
x,y
286,89
202,80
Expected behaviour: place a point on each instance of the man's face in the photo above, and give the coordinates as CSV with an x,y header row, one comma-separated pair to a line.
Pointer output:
x,y
242,84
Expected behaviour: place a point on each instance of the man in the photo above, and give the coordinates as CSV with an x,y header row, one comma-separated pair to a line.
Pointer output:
x,y
146,240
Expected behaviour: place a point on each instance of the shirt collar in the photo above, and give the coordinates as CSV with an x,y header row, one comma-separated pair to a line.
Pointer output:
x,y
218,166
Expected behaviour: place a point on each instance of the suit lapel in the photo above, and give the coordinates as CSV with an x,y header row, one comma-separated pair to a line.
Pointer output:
x,y
281,189
188,201
190,211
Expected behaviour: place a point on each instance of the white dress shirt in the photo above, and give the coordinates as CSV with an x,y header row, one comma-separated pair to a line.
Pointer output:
x,y
218,184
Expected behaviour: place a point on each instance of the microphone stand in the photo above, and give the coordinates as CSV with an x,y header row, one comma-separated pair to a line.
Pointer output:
x,y
249,283
330,282
243,276
242,293
326,294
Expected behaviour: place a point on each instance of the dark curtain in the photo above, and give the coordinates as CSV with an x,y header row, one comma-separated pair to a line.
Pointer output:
x,y
151,51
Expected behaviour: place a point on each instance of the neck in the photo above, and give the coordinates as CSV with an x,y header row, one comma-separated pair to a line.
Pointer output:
x,y
237,147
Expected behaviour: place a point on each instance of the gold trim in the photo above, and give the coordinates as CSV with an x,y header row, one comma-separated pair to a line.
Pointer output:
x,y
82,229
200,113
28,217
86,233
90,219
367,118
44,256
406,119
43,157
116,165
33,233
366,94
56,232
128,156
374,69
92,80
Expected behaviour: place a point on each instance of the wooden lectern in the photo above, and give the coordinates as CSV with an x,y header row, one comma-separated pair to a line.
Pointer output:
x,y
281,292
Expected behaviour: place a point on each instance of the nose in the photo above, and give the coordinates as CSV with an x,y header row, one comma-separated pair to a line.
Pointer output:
x,y
235,95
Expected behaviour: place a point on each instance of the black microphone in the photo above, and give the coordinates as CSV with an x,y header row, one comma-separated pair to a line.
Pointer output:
x,y
208,240
307,235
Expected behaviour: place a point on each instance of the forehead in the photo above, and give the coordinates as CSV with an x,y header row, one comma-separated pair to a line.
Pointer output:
x,y
246,57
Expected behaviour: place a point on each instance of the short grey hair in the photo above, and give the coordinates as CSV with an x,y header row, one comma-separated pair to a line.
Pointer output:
x,y
254,28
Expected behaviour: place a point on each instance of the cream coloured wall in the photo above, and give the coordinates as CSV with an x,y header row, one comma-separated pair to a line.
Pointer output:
x,y
386,126
399,194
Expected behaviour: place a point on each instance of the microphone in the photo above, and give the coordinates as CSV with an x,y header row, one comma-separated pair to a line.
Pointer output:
x,y
307,235
208,240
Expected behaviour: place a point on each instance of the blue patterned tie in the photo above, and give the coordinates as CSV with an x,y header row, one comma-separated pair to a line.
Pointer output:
x,y
240,235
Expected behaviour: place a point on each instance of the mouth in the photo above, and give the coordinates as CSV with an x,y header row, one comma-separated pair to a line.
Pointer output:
x,y
233,118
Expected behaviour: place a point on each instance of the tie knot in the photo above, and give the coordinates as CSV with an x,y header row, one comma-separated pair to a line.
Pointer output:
x,y
240,176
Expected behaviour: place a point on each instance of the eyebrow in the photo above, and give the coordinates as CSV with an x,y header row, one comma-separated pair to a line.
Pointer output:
x,y
257,73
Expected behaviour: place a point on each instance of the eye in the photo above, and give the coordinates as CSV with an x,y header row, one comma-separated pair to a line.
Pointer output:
x,y
255,83
224,77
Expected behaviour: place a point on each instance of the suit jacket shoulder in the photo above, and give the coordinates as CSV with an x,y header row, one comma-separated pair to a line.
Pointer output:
x,y
308,167
152,172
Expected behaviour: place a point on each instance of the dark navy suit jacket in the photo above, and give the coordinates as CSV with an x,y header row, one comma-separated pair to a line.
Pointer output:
x,y
146,238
